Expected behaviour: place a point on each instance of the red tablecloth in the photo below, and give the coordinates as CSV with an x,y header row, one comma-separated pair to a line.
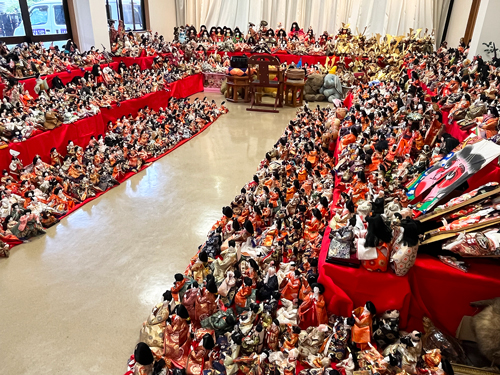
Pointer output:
x,y
145,62
187,86
430,288
453,129
444,293
81,131
30,83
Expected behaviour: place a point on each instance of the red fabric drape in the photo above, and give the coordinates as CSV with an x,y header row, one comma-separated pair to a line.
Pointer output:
x,y
30,83
430,288
81,131
453,129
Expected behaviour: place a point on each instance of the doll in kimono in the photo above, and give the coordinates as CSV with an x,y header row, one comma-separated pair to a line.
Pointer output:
x,y
362,329
312,311
177,337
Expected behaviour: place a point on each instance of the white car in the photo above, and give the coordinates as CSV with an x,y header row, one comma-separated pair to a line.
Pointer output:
x,y
47,18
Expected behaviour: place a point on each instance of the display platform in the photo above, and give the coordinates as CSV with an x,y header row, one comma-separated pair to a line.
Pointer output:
x,y
289,58
82,130
430,288
66,76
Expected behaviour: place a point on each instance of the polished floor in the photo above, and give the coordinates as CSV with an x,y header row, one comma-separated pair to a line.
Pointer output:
x,y
72,301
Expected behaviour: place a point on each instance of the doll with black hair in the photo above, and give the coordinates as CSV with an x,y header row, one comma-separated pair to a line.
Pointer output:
x,y
177,336
199,359
362,329
244,296
312,311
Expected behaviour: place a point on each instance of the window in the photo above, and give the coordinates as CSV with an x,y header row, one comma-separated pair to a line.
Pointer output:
x,y
39,15
59,15
34,21
131,12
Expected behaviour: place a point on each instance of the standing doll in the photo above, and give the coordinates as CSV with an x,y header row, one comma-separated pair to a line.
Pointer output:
x,y
362,329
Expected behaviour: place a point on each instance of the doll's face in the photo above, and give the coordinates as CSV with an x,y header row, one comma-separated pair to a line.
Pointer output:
x,y
316,290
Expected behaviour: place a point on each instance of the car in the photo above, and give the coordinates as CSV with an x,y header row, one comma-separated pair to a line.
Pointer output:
x,y
47,17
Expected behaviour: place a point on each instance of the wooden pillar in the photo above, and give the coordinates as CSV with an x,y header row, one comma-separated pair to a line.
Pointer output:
x,y
472,20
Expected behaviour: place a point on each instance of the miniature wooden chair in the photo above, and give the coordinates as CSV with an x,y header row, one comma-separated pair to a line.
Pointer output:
x,y
263,69
234,84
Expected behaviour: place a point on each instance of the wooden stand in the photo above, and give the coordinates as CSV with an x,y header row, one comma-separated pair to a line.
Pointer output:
x,y
234,84
291,88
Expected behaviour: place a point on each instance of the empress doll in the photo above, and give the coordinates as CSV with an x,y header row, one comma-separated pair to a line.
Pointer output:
x,y
312,311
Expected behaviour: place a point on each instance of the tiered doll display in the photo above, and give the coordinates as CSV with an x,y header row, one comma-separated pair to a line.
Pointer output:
x,y
33,197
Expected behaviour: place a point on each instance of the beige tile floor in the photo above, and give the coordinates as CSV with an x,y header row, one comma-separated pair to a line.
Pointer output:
x,y
72,301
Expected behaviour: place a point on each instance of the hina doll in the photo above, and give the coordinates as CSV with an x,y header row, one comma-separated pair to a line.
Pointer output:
x,y
292,285
177,337
312,311
199,270
205,305
221,322
487,124
362,329
198,358
291,339
144,359
273,336
179,287
244,295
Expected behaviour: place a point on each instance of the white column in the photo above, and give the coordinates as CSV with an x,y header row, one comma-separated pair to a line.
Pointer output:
x,y
487,28
89,23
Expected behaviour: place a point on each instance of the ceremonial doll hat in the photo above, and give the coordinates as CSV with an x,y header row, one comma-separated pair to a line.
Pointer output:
x,y
142,354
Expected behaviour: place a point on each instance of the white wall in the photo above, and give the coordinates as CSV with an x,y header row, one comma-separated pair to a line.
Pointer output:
x,y
89,23
99,23
458,21
487,28
161,17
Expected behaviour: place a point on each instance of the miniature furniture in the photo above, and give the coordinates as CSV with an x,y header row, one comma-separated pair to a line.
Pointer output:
x,y
294,93
234,84
265,66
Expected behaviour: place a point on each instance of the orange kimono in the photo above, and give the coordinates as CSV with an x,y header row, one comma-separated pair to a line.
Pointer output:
x,y
362,331
290,193
312,312
177,341
302,175
292,287
313,158
240,300
176,289
347,140
487,127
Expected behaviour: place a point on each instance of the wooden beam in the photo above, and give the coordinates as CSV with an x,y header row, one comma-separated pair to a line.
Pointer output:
x,y
471,23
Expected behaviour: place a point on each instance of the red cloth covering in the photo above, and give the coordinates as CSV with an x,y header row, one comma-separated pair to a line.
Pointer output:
x,y
444,293
143,62
453,129
30,83
130,174
187,86
430,288
81,131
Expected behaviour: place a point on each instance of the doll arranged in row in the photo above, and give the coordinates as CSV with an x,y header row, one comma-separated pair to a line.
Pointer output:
x,y
22,116
35,196
298,42
250,301
33,59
